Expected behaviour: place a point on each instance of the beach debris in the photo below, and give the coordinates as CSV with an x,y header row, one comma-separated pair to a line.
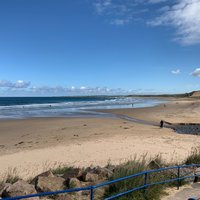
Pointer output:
x,y
19,188
50,184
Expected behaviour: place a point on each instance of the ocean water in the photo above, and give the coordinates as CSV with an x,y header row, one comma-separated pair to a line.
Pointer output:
x,y
29,107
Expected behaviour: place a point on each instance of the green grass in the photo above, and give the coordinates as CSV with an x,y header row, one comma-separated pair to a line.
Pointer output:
x,y
194,157
133,167
62,170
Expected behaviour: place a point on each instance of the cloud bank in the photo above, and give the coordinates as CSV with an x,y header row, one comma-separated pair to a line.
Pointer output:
x,y
24,88
17,84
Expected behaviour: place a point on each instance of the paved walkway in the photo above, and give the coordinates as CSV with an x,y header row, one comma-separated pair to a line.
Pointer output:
x,y
190,191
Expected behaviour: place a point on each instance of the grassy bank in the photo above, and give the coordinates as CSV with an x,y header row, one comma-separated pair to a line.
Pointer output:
x,y
133,166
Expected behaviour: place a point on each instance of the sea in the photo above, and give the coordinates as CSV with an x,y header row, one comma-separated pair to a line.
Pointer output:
x,y
81,106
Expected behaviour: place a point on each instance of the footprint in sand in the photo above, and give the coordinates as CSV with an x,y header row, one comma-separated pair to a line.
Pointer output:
x,y
76,135
126,127
22,142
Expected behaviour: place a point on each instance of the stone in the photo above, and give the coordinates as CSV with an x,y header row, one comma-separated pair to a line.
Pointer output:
x,y
73,173
44,174
74,183
20,188
90,177
103,173
50,184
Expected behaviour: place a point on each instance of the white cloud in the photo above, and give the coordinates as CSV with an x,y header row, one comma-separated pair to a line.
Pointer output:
x,y
118,12
102,5
177,71
18,84
196,72
184,16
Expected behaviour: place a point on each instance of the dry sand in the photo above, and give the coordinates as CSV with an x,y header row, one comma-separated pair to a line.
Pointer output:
x,y
33,145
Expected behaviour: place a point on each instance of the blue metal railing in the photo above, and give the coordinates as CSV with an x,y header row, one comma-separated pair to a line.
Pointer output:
x,y
144,186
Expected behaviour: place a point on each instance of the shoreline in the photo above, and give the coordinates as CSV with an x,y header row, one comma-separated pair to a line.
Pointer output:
x,y
74,109
31,145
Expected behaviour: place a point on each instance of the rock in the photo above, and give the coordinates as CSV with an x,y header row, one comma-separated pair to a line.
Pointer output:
x,y
4,187
74,183
103,173
73,173
50,184
44,174
20,188
89,177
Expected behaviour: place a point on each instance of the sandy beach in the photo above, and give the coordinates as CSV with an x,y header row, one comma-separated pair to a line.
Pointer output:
x,y
31,146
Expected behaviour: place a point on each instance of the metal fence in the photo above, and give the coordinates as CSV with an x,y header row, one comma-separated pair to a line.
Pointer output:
x,y
144,186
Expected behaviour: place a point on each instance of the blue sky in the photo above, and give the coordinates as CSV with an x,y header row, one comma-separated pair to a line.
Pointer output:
x,y
72,47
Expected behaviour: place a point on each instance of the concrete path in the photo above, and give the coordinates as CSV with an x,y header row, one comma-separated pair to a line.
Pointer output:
x,y
186,192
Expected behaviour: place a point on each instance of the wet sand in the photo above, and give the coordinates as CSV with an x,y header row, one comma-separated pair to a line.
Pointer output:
x,y
34,145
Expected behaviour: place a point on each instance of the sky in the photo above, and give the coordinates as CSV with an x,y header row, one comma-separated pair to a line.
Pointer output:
x,y
97,47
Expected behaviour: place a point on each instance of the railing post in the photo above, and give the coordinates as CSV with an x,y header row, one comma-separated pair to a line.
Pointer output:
x,y
91,193
145,182
178,176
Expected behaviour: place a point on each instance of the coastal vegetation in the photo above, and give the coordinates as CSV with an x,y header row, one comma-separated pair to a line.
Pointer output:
x,y
64,177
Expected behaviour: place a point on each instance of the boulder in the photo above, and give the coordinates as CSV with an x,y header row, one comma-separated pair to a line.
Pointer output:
x,y
73,173
103,173
89,177
50,184
20,188
44,174
74,183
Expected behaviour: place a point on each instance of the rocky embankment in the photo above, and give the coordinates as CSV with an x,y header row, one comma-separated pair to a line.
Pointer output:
x,y
67,178
50,182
